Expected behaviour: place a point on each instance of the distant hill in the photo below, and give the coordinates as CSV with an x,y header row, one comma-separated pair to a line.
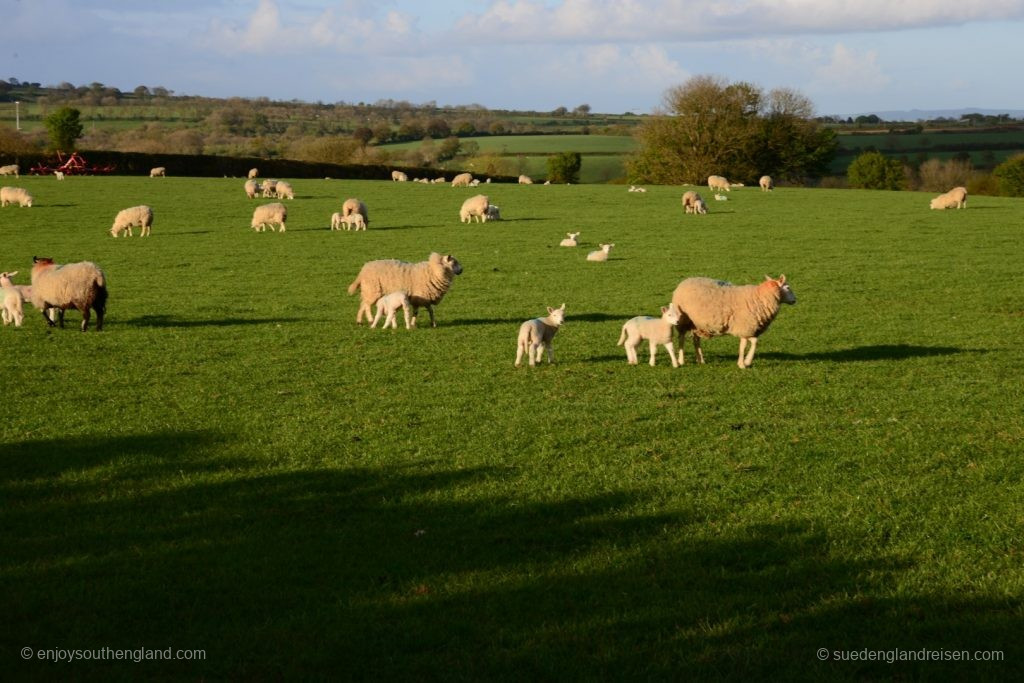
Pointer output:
x,y
932,114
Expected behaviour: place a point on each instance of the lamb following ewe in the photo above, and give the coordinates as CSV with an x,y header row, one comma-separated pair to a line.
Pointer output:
x,y
570,240
711,308
18,195
269,215
388,305
694,203
654,330
539,334
353,205
11,310
79,285
601,254
140,216
954,199
425,282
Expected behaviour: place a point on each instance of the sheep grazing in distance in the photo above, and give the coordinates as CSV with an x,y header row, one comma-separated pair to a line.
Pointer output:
x,y
253,173
12,195
11,311
11,169
252,189
399,177
284,190
81,285
462,180
126,219
493,212
158,172
353,205
474,207
710,308
525,180
269,215
388,306
539,334
269,188
654,330
601,254
954,199
570,240
59,175
766,183
354,221
694,203
717,182
425,282
439,179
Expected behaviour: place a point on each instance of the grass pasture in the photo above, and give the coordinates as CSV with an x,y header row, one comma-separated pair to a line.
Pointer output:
x,y
234,466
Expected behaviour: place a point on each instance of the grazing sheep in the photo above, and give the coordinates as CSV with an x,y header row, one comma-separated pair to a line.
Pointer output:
x,y
79,285
353,205
462,180
388,305
954,199
654,330
399,177
158,172
253,173
269,215
284,190
711,308
354,221
252,189
766,183
269,188
570,240
10,195
601,254
525,180
141,216
425,282
59,175
717,182
12,169
539,334
12,311
493,212
439,179
474,207
694,203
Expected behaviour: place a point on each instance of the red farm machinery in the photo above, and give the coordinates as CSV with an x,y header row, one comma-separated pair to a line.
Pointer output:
x,y
71,164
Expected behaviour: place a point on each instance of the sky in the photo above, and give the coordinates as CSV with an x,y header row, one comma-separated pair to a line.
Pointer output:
x,y
847,56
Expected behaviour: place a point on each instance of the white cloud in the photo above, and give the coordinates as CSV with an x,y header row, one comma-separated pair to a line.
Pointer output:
x,y
848,71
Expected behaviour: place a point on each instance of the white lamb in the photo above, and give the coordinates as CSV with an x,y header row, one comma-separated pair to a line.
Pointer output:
x,y
12,311
954,199
694,203
439,179
425,282
721,198
11,169
284,190
388,306
140,216
269,188
474,207
354,221
336,219
570,240
525,180
59,175
252,189
539,334
158,172
766,183
269,215
717,182
353,205
654,330
18,195
462,180
399,177
601,254
711,308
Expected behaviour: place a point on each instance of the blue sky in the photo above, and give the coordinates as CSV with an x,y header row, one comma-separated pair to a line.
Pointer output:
x,y
848,57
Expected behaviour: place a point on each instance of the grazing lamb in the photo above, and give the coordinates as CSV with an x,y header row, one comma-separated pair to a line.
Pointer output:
x,y
539,334
59,175
158,172
399,177
717,182
12,169
354,221
126,219
284,190
711,308
79,285
493,212
954,199
462,180
10,195
269,215
336,219
353,205
12,311
253,173
252,189
570,240
766,183
654,330
388,305
269,188
425,282
694,203
601,254
474,207
525,180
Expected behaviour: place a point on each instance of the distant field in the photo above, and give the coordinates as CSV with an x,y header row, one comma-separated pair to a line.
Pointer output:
x,y
985,148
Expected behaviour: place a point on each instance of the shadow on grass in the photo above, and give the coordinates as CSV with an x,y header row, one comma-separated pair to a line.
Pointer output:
x,y
874,352
399,574
169,321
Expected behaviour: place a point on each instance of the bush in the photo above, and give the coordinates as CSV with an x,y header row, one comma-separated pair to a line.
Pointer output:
x,y
983,183
1010,175
873,171
564,167
936,175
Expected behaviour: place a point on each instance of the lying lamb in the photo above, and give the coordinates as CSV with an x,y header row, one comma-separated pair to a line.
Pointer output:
x,y
538,334
388,305
655,330
570,240
601,254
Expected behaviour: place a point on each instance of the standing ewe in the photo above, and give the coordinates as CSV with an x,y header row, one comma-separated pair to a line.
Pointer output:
x,y
694,203
474,207
399,177
462,180
353,205
425,282
284,190
253,173
11,311
10,195
12,169
538,334
711,308
954,199
126,219
158,172
655,330
601,254
388,305
252,189
79,285
570,240
717,182
766,183
269,215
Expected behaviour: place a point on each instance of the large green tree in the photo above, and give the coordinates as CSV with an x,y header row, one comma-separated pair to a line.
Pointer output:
x,y
874,171
564,167
65,127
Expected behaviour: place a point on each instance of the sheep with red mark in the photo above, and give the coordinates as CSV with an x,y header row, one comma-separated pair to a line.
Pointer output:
x,y
81,286
425,282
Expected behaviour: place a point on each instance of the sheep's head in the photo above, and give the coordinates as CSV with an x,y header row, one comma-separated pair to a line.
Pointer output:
x,y
670,314
786,294
557,315
452,264
42,260
572,235
5,278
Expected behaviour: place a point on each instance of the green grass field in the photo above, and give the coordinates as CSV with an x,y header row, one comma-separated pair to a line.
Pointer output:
x,y
233,466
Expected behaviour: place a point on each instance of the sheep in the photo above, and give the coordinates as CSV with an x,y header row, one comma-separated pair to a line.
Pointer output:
x,y
694,203
141,216
766,183
158,172
721,198
462,180
269,188
570,240
252,189
717,182
601,254
388,305
354,221
425,282
399,177
12,169
269,215
634,188
539,334
525,180
439,179
11,311
79,285
284,190
954,199
253,173
353,205
336,220
493,212
711,308
59,175
10,195
474,207
654,330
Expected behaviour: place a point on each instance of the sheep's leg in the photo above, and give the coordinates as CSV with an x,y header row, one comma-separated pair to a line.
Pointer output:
x,y
85,318
520,350
697,350
60,317
749,360
682,346
631,351
405,312
46,317
671,354
430,310
376,318
551,352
